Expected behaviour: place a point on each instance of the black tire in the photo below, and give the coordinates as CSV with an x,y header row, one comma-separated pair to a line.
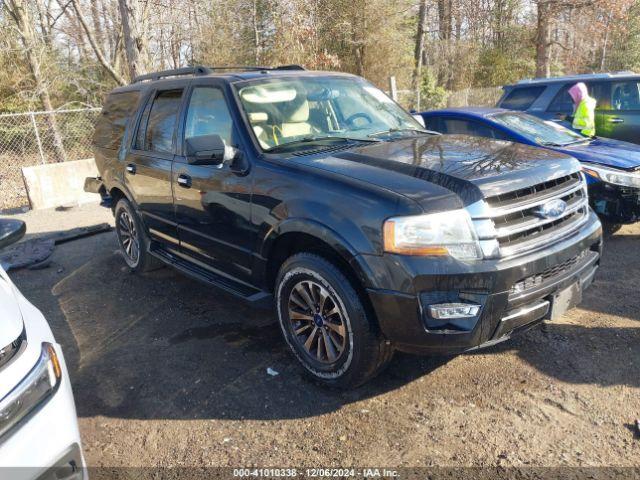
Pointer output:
x,y
338,361
133,240
609,228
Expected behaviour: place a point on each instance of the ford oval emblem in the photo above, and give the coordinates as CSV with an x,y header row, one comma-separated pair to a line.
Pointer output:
x,y
551,209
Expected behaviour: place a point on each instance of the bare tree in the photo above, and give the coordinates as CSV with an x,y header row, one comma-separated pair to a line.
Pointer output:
x,y
95,46
419,50
19,11
543,39
134,16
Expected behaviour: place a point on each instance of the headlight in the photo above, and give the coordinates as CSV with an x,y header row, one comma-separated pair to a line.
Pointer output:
x,y
612,175
34,389
438,234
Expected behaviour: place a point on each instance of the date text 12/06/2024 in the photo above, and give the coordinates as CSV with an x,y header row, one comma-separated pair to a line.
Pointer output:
x,y
315,472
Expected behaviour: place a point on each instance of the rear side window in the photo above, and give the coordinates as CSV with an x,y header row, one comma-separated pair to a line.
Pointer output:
x,y
158,122
521,98
115,114
434,123
562,102
469,127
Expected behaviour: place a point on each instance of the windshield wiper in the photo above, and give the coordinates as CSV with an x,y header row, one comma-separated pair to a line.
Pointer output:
x,y
400,130
314,139
580,140
555,144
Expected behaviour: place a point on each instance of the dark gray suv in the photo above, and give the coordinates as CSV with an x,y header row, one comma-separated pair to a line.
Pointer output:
x,y
618,96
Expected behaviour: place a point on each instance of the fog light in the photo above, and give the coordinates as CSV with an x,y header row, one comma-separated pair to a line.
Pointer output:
x,y
445,311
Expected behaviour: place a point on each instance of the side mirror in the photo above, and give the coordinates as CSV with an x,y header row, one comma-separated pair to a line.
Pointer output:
x,y
11,231
209,150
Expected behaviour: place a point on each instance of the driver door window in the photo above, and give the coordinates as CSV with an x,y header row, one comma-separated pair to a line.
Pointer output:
x,y
625,96
621,118
208,114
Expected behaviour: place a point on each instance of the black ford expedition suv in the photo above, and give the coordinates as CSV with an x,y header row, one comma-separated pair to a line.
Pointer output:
x,y
369,233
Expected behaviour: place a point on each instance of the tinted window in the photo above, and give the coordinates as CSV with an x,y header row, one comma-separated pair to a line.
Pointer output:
x,y
157,126
208,114
625,95
562,102
434,123
521,98
469,127
115,114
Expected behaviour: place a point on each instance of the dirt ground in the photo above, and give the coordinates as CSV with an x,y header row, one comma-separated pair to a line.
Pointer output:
x,y
168,372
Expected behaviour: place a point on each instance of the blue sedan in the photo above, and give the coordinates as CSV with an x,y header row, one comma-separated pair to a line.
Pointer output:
x,y
612,167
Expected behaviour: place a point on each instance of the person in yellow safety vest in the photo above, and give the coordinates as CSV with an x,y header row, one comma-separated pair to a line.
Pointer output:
x,y
584,115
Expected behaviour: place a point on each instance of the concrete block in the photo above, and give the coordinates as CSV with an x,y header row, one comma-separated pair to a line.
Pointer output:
x,y
57,184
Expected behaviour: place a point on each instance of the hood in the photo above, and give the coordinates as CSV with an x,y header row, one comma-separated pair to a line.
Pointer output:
x,y
606,151
435,167
11,323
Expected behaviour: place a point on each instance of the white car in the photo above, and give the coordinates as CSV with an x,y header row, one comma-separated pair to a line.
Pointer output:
x,y
39,435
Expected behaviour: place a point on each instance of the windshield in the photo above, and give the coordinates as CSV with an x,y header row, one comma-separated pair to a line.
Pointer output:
x,y
542,132
294,113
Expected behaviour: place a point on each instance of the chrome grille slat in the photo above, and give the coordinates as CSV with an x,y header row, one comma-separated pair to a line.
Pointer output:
x,y
537,243
500,211
518,227
574,206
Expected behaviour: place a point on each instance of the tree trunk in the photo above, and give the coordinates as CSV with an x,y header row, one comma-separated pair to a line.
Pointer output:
x,y
256,33
96,47
543,40
418,54
359,33
444,19
18,10
133,14
97,26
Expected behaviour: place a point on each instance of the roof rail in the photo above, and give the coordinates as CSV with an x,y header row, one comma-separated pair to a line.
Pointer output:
x,y
582,76
256,68
200,70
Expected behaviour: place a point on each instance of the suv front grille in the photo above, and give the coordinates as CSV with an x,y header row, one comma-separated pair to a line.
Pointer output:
x,y
520,228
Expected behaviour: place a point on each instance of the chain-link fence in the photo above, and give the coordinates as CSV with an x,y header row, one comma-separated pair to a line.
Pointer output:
x,y
475,97
35,138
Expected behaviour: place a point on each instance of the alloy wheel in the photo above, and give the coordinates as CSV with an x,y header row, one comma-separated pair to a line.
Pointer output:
x,y
317,320
128,235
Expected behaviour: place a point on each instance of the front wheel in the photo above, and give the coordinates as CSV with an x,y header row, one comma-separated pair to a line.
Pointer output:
x,y
610,228
326,324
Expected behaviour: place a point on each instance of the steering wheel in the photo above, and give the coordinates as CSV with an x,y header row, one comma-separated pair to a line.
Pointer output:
x,y
352,118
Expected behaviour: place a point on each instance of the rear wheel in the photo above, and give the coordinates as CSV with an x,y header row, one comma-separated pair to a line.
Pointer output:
x,y
133,241
326,324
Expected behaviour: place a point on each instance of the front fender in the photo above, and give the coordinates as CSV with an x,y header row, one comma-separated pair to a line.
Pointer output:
x,y
309,227
347,251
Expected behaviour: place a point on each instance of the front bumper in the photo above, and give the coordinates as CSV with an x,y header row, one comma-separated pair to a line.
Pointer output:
x,y
615,203
47,441
514,293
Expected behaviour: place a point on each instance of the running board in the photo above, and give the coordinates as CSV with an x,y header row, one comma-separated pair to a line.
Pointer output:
x,y
238,289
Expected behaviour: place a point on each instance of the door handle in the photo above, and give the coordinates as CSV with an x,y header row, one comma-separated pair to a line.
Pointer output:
x,y
131,168
184,181
616,120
